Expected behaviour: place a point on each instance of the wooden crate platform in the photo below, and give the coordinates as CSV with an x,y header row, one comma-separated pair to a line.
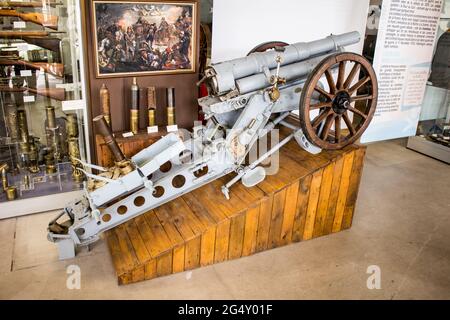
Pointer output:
x,y
310,196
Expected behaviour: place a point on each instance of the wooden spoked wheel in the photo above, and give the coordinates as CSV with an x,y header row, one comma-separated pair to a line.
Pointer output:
x,y
323,113
263,47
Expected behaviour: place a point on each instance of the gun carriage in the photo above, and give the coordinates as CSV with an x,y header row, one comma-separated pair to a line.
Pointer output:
x,y
334,92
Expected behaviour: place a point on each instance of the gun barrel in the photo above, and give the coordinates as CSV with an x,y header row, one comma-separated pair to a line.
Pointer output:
x,y
227,73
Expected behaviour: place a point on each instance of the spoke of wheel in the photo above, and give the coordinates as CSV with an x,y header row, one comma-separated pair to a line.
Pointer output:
x,y
352,75
337,129
320,105
349,124
323,92
362,98
356,111
320,118
358,85
327,127
341,75
330,81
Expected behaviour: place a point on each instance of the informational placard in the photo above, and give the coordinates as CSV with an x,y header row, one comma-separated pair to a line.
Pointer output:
x,y
402,61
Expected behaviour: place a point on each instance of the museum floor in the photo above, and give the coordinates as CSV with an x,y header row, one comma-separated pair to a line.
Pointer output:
x,y
401,225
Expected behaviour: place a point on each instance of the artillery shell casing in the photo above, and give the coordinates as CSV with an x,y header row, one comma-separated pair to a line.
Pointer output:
x,y
105,131
105,103
134,121
51,119
72,125
134,95
151,117
11,114
74,149
11,193
4,179
170,116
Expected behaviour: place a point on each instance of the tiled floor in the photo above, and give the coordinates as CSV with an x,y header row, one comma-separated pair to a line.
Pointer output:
x,y
402,225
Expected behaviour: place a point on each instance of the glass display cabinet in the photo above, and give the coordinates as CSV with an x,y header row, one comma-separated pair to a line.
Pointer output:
x,y
433,132
43,127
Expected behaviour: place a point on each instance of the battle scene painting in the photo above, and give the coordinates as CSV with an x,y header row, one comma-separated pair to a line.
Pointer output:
x,y
137,38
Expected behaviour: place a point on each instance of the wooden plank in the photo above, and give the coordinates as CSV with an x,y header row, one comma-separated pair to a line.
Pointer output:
x,y
301,208
120,264
334,193
222,241
290,207
138,243
171,230
164,264
265,216
126,248
153,234
192,255
279,199
312,204
178,259
343,188
355,180
237,228
150,269
138,274
324,197
208,237
250,231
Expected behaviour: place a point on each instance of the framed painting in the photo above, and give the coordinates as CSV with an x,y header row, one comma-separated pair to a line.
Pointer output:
x,y
144,38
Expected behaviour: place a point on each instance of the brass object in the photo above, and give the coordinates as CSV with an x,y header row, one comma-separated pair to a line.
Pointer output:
x,y
151,117
11,114
105,103
151,105
50,169
170,94
74,153
26,181
3,169
33,158
11,193
51,119
72,125
134,121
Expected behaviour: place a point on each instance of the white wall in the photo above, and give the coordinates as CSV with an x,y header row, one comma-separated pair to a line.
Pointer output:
x,y
240,25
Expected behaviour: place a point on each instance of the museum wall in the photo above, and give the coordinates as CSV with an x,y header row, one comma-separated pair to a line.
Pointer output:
x,y
239,25
186,92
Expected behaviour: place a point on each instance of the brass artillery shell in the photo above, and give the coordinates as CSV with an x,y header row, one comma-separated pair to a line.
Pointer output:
x,y
51,119
170,95
72,125
74,150
134,121
11,193
151,117
151,105
105,131
11,114
4,172
170,116
105,103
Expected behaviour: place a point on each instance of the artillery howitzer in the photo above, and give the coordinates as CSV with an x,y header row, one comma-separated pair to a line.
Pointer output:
x,y
248,98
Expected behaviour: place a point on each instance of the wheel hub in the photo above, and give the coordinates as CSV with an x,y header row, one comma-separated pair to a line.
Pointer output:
x,y
341,102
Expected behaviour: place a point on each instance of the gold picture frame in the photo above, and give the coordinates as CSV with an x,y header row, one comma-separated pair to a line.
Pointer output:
x,y
142,38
